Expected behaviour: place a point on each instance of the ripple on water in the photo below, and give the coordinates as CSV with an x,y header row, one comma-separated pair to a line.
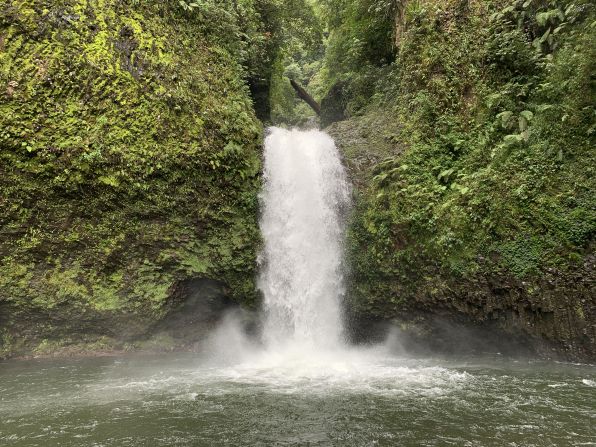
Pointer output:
x,y
351,397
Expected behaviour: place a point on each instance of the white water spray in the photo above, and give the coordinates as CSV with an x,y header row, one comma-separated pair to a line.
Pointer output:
x,y
305,192
304,201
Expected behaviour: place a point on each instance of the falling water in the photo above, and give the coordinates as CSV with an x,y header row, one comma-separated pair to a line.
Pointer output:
x,y
303,386
304,196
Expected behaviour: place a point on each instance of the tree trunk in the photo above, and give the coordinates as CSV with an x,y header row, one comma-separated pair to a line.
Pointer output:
x,y
303,94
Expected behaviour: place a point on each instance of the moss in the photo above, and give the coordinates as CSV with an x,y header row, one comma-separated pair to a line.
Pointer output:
x,y
46,347
129,160
484,174
6,343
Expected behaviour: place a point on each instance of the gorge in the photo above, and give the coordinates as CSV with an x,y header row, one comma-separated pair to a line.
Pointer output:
x,y
297,380
130,167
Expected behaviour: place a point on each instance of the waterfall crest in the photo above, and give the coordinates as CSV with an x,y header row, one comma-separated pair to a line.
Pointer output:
x,y
304,195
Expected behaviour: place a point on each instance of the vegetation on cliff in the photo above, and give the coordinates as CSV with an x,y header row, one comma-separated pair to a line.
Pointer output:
x,y
129,161
472,143
129,155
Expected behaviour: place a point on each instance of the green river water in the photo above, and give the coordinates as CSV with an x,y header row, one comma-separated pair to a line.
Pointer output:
x,y
354,399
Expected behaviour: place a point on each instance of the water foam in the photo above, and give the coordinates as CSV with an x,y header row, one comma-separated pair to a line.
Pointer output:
x,y
305,191
304,200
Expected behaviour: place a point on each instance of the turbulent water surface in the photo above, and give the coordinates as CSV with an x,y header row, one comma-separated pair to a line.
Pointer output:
x,y
367,399
300,383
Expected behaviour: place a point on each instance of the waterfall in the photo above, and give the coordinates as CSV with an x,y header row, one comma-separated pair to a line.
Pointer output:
x,y
304,196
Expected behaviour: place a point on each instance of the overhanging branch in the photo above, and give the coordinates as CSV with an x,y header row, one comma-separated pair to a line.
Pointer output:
x,y
303,94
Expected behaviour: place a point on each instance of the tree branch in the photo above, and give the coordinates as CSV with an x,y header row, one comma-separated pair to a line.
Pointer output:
x,y
303,94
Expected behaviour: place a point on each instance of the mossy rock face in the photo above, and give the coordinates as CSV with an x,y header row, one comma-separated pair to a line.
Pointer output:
x,y
333,105
129,161
473,166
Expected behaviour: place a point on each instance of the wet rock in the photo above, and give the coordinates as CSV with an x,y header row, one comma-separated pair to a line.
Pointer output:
x,y
333,105
196,305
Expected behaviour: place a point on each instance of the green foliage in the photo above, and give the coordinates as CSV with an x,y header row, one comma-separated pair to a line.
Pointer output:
x,y
258,34
494,103
298,58
360,46
128,142
361,33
